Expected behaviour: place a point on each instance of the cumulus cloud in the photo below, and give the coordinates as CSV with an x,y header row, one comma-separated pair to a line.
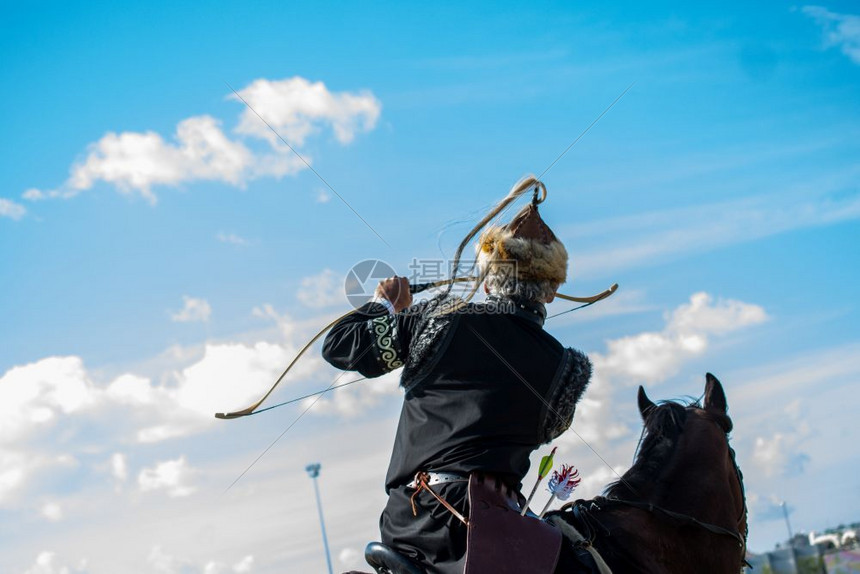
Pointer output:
x,y
296,108
228,376
323,290
232,373
840,30
200,150
14,468
48,563
781,452
777,455
138,161
51,409
172,476
12,210
33,395
652,357
194,309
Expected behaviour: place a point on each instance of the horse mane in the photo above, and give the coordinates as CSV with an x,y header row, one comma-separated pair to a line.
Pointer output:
x,y
663,425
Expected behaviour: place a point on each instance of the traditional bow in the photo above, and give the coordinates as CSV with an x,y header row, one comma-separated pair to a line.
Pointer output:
x,y
413,289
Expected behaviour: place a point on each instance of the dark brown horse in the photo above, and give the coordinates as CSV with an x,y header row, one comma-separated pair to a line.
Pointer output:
x,y
680,508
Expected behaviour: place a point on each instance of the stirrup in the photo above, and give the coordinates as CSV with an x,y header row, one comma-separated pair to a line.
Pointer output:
x,y
386,560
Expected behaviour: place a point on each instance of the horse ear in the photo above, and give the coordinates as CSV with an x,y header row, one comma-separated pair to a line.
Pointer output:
x,y
645,404
715,397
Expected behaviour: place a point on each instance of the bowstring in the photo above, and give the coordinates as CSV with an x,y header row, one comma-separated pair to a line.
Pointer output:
x,y
332,387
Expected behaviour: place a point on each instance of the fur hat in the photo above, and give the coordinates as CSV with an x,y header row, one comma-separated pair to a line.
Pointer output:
x,y
527,241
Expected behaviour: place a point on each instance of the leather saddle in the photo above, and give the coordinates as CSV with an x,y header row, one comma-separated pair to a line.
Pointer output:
x,y
386,560
500,541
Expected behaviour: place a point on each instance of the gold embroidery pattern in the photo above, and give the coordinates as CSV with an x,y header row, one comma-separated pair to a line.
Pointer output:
x,y
383,328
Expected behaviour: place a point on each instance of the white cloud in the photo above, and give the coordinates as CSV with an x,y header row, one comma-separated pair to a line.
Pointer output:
x,y
132,390
296,108
781,453
12,210
777,455
246,564
353,400
33,395
36,397
119,466
227,377
285,323
764,508
14,468
649,358
652,357
137,162
323,196
841,30
194,309
701,317
172,476
323,290
231,374
33,194
47,563
232,239
47,408
52,511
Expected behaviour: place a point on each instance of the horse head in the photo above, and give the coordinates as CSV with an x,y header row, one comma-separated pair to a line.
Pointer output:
x,y
680,507
685,463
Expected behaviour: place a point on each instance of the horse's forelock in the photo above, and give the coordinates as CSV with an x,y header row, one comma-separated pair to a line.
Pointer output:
x,y
659,436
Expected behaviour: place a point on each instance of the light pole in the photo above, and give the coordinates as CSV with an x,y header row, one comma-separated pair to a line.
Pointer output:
x,y
314,471
787,523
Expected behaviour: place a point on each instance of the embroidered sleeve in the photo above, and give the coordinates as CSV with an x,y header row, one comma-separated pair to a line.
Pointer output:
x,y
571,379
366,341
386,346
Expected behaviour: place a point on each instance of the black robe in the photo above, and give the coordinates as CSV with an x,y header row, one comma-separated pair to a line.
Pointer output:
x,y
485,385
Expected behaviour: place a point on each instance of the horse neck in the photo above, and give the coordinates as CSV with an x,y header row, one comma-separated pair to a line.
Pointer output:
x,y
637,540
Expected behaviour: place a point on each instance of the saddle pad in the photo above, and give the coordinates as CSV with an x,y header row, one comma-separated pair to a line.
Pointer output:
x,y
500,540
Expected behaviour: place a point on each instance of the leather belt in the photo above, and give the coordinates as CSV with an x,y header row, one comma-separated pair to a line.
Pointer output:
x,y
422,482
440,478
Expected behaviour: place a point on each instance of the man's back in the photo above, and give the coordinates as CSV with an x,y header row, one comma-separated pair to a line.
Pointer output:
x,y
483,404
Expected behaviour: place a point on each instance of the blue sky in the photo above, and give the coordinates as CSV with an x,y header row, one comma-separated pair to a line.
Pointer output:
x,y
163,256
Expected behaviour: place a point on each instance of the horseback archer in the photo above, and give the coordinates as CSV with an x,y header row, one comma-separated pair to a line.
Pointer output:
x,y
485,385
